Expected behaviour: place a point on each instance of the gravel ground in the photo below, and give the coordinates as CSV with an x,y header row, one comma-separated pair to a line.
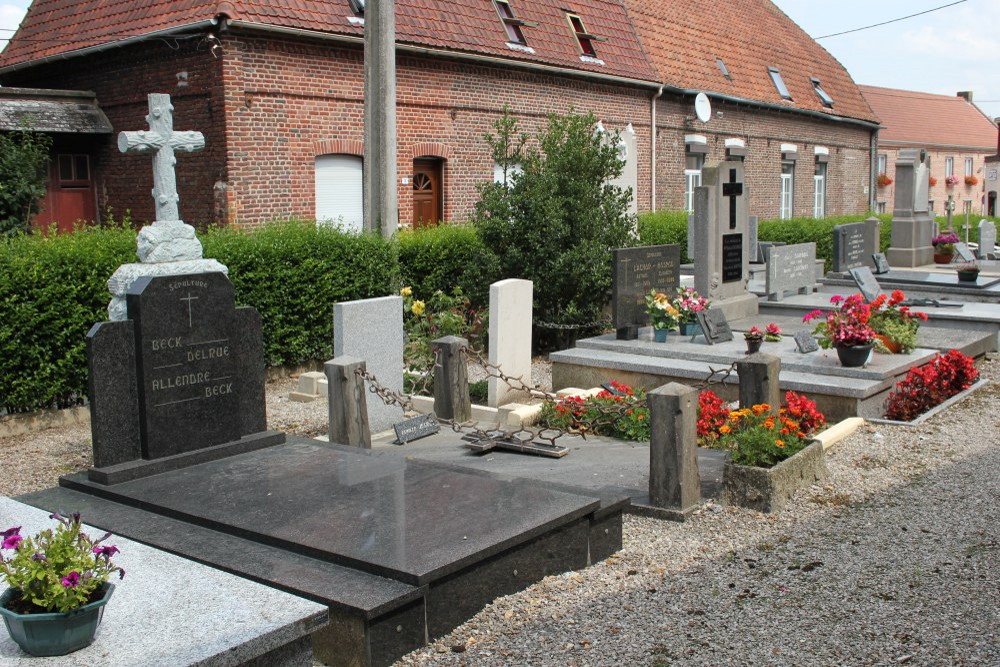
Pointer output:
x,y
895,559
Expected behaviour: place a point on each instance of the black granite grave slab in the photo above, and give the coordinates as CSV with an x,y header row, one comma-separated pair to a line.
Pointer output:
x,y
248,344
937,279
635,272
112,387
408,521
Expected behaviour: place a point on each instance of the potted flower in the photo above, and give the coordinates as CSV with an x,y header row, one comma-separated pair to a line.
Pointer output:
x,y
895,325
662,315
968,272
971,180
772,333
688,304
846,329
58,586
884,180
944,246
754,337
931,181
951,181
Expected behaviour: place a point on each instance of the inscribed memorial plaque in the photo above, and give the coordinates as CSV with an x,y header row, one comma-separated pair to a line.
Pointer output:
x,y
732,257
805,342
636,272
415,428
866,282
790,267
963,252
849,246
188,389
715,326
881,263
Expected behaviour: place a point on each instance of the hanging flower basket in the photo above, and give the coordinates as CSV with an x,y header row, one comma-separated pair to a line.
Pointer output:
x,y
951,181
971,180
884,180
931,181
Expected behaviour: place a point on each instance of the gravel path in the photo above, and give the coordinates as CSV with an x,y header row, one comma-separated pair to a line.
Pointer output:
x,y
895,559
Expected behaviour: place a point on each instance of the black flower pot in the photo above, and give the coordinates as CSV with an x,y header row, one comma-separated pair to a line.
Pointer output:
x,y
968,275
854,356
753,345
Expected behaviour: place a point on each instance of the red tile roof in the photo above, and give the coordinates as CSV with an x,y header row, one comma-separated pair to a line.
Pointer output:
x,y
930,120
60,27
683,39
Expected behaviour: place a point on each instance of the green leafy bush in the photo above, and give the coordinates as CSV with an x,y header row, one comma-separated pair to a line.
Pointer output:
x,y
441,258
293,273
23,159
54,288
665,227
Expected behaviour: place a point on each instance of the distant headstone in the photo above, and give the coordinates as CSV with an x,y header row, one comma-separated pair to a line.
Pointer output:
x,y
714,326
510,338
866,283
372,330
722,261
629,178
805,342
764,248
854,244
881,263
753,248
184,372
912,224
791,268
636,272
987,238
964,253
415,428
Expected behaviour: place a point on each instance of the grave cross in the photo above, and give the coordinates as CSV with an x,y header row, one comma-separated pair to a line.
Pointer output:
x,y
162,141
732,189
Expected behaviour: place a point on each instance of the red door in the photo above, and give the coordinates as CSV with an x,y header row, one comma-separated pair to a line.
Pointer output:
x,y
70,196
426,192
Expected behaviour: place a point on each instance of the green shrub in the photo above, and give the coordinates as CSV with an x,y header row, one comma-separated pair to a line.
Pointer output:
x,y
664,227
442,258
23,159
293,273
54,289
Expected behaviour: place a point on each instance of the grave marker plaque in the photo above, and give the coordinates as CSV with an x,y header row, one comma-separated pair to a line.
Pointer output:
x,y
850,247
187,366
732,257
866,282
881,263
791,267
715,326
805,342
636,272
963,252
415,428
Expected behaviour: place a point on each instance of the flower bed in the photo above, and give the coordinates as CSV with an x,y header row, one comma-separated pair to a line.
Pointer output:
x,y
602,414
930,385
770,489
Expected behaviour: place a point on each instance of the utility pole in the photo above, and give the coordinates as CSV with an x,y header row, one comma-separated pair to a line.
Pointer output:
x,y
381,192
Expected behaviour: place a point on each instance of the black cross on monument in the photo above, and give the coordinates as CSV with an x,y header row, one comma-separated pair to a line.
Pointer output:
x,y
732,189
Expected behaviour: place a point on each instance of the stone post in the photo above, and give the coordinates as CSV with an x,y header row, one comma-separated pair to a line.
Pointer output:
x,y
348,402
381,189
674,482
451,379
759,380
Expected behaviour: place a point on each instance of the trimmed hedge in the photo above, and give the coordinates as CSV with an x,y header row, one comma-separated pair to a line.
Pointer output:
x,y
442,258
664,227
52,290
293,273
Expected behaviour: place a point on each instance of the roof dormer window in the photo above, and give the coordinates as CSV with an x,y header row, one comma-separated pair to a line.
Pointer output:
x,y
779,83
723,69
584,38
823,97
357,6
511,23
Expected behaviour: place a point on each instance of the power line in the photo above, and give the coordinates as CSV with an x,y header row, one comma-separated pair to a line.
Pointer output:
x,y
901,18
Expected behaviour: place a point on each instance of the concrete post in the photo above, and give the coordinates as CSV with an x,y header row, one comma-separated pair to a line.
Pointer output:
x,y
674,481
348,402
381,190
759,381
451,380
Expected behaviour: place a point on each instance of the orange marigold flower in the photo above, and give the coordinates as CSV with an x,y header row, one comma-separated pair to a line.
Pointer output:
x,y
801,434
769,422
724,429
640,416
761,408
779,443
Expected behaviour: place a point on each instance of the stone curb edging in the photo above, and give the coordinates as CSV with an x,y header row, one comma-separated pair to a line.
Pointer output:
x,y
40,420
837,432
936,409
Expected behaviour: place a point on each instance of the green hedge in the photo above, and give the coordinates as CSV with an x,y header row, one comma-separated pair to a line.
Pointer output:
x,y
52,290
442,258
958,221
293,273
664,227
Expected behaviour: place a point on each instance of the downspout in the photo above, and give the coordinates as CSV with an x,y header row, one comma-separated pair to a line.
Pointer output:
x,y
872,166
652,150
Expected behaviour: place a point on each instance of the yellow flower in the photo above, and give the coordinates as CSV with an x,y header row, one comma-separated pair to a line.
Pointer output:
x,y
417,308
724,429
406,291
779,443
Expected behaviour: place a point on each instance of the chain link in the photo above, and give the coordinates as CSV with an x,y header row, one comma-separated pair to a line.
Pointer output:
x,y
604,323
716,376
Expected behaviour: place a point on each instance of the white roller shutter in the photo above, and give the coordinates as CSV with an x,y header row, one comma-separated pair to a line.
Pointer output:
x,y
338,191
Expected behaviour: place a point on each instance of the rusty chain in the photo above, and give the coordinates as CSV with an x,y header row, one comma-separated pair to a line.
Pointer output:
x,y
716,376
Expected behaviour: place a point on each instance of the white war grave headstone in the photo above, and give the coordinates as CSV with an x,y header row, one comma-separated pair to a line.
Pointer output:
x,y
510,338
912,223
168,247
721,262
987,238
629,178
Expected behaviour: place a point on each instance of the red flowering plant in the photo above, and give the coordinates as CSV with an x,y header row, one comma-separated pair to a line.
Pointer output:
x,y
895,324
688,303
930,385
884,180
846,326
56,571
971,180
772,333
621,413
754,333
951,180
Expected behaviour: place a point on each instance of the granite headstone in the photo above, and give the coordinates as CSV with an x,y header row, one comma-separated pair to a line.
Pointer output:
x,y
791,268
636,272
714,326
852,246
987,238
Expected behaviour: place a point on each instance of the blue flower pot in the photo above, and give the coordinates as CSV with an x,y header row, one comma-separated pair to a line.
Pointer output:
x,y
690,328
660,335
50,634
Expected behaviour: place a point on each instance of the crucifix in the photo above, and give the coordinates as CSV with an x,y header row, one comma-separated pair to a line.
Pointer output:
x,y
162,141
189,299
732,189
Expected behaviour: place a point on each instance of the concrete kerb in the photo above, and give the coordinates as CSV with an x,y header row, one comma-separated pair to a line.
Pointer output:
x,y
40,420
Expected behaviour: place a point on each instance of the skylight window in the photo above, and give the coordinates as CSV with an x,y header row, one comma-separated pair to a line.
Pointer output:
x,y
511,23
584,38
779,83
823,97
723,69
357,6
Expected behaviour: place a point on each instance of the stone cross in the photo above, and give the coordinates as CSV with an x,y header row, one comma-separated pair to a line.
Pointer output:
x,y
732,190
162,141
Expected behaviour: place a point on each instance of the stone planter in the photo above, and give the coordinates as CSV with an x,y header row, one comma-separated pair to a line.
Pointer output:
x,y
769,489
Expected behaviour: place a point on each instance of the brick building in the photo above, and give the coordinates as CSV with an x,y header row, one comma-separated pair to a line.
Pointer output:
x,y
277,88
958,137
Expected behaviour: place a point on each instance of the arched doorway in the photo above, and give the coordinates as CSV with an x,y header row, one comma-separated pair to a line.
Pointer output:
x,y
427,209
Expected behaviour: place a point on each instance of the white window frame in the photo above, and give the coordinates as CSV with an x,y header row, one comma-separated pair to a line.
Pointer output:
x,y
819,191
880,207
883,163
692,179
949,167
787,191
968,166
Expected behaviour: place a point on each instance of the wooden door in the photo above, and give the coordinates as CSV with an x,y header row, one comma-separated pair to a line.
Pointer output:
x,y
426,192
70,198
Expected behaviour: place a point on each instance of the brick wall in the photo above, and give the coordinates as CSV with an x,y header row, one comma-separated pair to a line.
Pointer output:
x,y
938,193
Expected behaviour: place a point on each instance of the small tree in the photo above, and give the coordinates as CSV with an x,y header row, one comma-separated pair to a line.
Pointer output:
x,y
23,158
555,217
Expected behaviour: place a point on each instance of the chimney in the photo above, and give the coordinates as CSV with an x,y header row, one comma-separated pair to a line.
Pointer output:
x,y
966,95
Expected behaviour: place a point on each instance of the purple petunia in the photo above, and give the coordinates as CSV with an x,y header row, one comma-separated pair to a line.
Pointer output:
x,y
11,541
71,579
107,552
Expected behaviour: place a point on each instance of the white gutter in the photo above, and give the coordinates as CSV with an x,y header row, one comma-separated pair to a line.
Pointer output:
x,y
86,51
652,150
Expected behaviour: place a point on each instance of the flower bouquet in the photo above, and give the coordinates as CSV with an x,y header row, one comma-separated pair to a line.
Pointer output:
x,y
951,181
895,325
663,316
772,333
688,303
